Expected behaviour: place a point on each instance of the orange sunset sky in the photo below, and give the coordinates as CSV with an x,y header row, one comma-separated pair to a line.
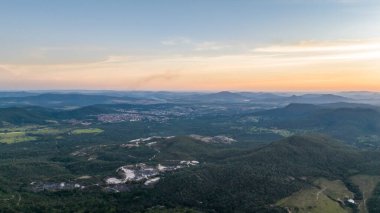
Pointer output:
x,y
276,45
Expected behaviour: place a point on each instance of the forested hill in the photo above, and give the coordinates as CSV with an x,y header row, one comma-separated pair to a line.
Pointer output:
x,y
347,122
264,175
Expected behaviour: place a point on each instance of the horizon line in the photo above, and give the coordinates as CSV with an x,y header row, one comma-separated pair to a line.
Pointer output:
x,y
190,91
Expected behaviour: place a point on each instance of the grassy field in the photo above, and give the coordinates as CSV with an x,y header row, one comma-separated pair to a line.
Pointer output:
x,y
26,133
315,200
15,137
87,131
34,129
47,131
33,132
366,184
334,189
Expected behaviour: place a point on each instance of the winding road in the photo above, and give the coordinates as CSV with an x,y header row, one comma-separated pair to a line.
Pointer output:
x,y
319,192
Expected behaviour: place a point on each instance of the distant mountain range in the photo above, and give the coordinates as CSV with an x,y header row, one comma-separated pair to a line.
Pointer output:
x,y
59,99
67,100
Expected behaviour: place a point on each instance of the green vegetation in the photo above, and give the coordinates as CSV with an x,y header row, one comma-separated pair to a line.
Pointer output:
x,y
367,185
87,131
335,190
27,133
306,173
15,137
265,175
34,132
311,200
47,131
345,123
373,203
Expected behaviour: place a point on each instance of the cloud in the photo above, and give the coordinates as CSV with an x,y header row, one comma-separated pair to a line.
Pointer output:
x,y
3,70
198,46
312,64
209,46
322,52
176,41
168,75
165,76
318,47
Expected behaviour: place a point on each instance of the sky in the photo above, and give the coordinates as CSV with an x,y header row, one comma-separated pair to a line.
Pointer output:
x,y
251,45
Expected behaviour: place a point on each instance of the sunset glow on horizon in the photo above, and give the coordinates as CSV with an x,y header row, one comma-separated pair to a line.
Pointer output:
x,y
162,46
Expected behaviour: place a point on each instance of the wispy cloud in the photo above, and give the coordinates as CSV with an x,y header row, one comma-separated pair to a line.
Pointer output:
x,y
176,41
195,45
165,76
209,46
326,51
318,47
312,64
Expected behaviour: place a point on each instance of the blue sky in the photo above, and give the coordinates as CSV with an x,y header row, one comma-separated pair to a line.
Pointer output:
x,y
88,31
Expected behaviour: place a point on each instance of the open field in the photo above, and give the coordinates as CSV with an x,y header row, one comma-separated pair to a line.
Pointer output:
x,y
33,132
87,131
15,137
334,189
315,200
48,131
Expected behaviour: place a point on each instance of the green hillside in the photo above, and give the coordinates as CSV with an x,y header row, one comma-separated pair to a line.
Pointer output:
x,y
262,177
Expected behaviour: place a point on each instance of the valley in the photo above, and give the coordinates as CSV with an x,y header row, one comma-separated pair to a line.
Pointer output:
x,y
202,157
